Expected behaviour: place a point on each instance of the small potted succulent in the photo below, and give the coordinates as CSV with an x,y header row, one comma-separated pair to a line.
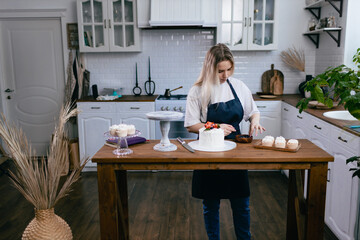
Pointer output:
x,y
343,85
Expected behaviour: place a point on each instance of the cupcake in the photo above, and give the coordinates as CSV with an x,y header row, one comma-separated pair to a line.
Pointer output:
x,y
112,130
280,142
292,144
267,141
130,129
121,131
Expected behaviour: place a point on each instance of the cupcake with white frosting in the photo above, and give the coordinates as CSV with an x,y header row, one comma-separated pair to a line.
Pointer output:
x,y
280,142
267,141
292,144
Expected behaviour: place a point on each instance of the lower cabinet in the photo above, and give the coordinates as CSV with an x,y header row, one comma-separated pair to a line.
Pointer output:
x,y
95,118
342,203
342,209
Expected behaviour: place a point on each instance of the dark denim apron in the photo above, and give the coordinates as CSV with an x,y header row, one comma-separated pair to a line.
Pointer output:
x,y
223,183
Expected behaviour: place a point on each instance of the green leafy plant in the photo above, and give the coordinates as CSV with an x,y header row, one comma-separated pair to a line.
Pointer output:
x,y
342,84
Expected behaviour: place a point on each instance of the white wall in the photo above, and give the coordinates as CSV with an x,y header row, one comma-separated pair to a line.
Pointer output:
x,y
168,48
352,36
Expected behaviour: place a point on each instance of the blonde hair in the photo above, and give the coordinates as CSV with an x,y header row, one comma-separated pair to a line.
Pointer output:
x,y
209,78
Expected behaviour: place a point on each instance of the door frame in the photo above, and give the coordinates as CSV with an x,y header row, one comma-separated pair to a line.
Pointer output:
x,y
39,14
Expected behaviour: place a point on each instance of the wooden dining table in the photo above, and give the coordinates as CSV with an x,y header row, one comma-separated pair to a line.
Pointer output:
x,y
305,216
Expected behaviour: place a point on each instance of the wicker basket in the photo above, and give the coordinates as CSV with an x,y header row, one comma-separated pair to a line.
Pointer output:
x,y
47,225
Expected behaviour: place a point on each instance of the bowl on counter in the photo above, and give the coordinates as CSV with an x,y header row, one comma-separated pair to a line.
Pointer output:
x,y
243,138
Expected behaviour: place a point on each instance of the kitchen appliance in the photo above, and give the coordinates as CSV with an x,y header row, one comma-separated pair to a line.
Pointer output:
x,y
136,90
175,103
168,91
149,84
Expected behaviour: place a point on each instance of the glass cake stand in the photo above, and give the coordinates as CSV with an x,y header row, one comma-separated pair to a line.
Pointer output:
x,y
122,148
165,117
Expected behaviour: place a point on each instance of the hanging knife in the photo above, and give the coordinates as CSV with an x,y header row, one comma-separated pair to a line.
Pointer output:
x,y
185,145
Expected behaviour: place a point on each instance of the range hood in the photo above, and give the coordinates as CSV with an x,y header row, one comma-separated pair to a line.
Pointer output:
x,y
165,13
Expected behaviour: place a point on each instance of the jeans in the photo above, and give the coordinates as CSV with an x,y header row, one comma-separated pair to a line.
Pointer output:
x,y
241,218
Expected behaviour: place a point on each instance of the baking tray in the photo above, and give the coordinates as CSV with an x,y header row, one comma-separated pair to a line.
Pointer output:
x,y
259,145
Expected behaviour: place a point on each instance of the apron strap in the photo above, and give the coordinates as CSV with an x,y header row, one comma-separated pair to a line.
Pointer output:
x,y
232,89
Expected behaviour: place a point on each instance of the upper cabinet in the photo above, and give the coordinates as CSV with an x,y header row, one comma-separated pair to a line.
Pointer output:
x,y
108,25
163,13
248,24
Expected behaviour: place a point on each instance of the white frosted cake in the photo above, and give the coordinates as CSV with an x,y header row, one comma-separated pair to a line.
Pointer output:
x,y
211,138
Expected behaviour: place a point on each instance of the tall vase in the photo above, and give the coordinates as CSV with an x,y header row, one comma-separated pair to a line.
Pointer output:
x,y
47,225
302,85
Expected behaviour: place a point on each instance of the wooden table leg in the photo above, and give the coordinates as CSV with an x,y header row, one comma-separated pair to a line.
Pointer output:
x,y
113,218
291,225
316,194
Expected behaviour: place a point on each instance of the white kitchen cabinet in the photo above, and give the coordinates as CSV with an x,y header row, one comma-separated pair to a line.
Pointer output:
x,y
288,113
95,118
342,208
135,113
248,24
269,119
108,26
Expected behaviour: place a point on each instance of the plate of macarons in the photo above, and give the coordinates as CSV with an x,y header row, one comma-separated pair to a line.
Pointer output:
x,y
278,144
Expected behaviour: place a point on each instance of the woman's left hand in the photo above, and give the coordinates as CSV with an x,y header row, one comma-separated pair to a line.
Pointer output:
x,y
255,125
257,128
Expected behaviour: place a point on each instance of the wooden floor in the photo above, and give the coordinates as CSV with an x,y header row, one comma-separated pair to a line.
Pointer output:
x,y
160,207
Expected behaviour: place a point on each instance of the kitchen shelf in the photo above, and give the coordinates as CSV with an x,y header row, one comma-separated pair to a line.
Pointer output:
x,y
315,8
314,36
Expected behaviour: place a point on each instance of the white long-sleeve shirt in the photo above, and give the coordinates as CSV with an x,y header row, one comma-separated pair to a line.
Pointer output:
x,y
193,102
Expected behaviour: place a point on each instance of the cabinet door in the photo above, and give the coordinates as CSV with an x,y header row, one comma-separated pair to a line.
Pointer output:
x,y
287,123
261,25
91,133
92,25
342,211
232,28
248,24
122,24
141,123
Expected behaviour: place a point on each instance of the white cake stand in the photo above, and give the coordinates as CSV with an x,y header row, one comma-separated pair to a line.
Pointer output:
x,y
165,117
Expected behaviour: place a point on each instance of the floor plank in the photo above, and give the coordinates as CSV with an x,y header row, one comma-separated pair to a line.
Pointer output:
x,y
160,207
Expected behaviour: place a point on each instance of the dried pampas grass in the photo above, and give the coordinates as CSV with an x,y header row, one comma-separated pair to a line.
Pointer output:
x,y
39,179
294,58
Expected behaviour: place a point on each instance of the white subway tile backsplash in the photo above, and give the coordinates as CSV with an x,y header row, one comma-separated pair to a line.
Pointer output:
x,y
177,57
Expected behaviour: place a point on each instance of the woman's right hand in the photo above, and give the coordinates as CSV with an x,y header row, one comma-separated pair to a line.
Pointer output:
x,y
227,128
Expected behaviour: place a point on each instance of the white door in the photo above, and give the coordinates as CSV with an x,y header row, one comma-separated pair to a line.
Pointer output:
x,y
32,77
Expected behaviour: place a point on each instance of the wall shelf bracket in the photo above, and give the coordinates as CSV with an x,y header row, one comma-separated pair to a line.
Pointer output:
x,y
336,39
316,11
315,38
338,9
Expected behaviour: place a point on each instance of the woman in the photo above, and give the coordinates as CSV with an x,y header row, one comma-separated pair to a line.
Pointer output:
x,y
218,98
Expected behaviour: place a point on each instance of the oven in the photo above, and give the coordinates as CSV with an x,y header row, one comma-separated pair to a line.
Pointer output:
x,y
175,103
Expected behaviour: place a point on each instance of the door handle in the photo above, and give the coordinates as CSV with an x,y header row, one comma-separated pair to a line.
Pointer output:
x,y
8,90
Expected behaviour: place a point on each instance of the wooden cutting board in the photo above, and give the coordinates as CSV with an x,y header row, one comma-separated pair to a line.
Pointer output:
x,y
268,78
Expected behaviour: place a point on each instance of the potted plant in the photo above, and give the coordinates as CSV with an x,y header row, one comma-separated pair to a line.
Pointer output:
x,y
343,84
39,179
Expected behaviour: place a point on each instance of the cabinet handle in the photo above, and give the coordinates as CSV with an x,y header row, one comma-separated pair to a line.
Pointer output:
x,y
341,139
328,176
315,126
261,106
95,107
299,117
250,22
104,23
134,108
109,23
245,22
286,110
